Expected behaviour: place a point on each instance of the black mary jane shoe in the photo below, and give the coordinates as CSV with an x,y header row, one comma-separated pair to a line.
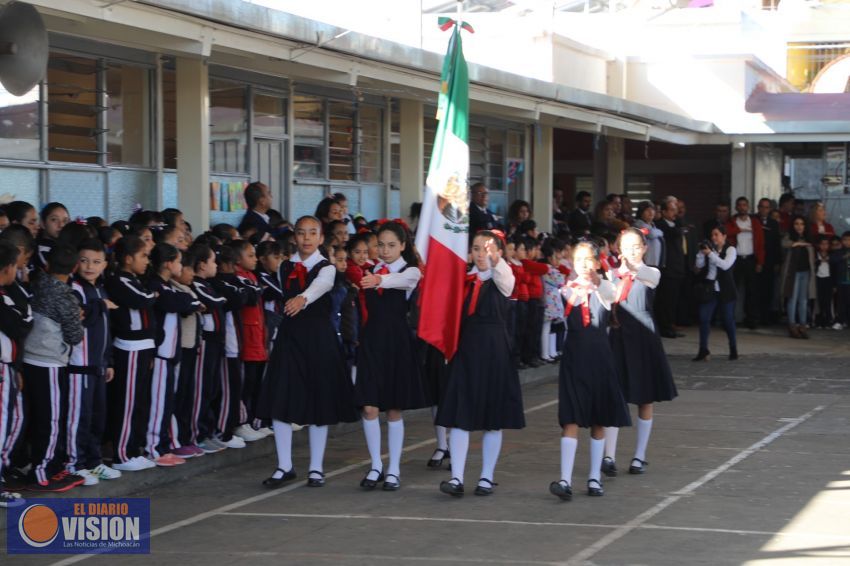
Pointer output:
x,y
637,470
453,489
594,488
609,467
561,490
315,482
368,484
392,485
485,489
273,482
435,462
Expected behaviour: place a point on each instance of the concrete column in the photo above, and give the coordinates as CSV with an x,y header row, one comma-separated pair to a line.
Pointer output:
x,y
600,168
541,182
742,173
616,174
193,142
412,144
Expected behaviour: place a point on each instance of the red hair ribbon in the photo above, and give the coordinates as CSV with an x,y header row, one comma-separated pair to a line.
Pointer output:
x,y
381,221
401,222
383,271
644,231
584,291
363,230
300,273
473,285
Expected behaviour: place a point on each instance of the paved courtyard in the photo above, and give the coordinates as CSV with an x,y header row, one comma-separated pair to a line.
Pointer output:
x,y
750,465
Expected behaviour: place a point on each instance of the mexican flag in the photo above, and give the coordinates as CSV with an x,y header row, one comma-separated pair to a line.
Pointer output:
x,y
442,237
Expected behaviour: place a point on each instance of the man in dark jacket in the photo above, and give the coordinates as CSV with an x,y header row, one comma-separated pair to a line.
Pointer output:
x,y
672,268
579,219
766,279
480,217
258,198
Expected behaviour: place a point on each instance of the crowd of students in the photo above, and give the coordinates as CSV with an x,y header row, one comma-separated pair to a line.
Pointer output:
x,y
164,346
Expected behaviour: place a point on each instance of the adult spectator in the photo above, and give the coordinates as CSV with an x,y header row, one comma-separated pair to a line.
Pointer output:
x,y
672,268
745,233
579,219
481,217
258,198
518,212
721,217
645,222
626,214
605,221
818,225
766,279
616,203
715,263
798,276
686,311
787,203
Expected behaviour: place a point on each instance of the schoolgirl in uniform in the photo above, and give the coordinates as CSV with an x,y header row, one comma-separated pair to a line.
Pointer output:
x,y
183,441
134,327
270,256
305,379
483,391
211,350
171,304
553,304
389,376
641,361
589,393
253,352
54,216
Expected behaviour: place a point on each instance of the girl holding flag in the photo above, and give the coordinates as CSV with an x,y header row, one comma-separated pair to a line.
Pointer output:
x,y
589,393
388,371
483,391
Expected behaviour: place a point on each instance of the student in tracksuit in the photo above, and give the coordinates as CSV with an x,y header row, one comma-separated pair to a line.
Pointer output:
x,y
89,370
170,305
210,352
134,326
15,323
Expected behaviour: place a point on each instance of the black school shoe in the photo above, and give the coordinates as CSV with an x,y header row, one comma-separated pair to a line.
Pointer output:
x,y
392,485
435,462
594,488
453,489
368,484
485,489
637,470
315,482
273,483
609,467
561,490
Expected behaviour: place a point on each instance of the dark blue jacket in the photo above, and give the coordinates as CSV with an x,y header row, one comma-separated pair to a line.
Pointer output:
x,y
94,354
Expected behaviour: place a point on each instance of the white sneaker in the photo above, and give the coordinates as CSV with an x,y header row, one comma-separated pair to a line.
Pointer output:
x,y
104,472
295,427
91,479
266,431
248,434
136,464
234,442
837,326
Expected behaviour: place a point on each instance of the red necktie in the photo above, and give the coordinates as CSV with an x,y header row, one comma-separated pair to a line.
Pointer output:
x,y
473,283
383,271
300,273
582,290
628,278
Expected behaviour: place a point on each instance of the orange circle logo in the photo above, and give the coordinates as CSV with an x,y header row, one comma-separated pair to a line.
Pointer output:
x,y
38,525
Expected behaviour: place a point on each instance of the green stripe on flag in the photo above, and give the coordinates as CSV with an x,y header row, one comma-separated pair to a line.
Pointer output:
x,y
453,102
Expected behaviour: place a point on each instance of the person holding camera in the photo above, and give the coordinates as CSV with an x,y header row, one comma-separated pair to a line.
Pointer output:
x,y
715,260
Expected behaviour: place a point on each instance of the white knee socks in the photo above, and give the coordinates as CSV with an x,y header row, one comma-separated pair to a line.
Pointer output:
x,y
568,458
395,442
372,432
545,354
459,446
611,435
491,446
439,431
318,440
283,444
553,345
644,428
596,449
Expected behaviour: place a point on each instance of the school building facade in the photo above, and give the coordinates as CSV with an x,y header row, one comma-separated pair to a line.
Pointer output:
x,y
179,103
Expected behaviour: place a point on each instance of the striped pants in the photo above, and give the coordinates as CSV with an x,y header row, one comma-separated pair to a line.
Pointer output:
x,y
207,388
183,426
129,398
163,383
230,411
86,421
45,400
11,415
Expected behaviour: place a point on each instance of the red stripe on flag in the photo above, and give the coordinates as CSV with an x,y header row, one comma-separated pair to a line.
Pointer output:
x,y
441,298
